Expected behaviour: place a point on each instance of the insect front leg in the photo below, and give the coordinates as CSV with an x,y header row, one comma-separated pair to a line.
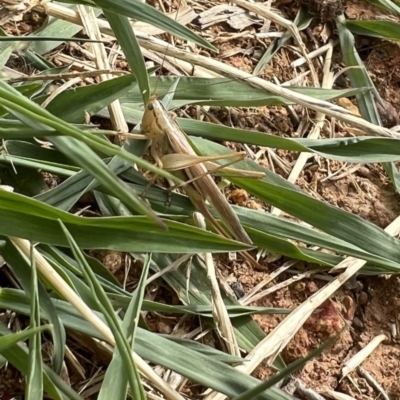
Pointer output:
x,y
154,151
157,148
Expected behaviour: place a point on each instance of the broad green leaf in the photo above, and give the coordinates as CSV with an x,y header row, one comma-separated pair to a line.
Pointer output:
x,y
207,350
359,149
224,92
123,233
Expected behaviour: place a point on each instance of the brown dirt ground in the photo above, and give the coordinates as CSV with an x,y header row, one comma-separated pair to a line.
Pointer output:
x,y
368,309
371,308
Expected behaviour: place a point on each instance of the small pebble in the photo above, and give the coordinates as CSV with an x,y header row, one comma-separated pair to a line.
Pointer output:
x,y
362,298
237,288
357,322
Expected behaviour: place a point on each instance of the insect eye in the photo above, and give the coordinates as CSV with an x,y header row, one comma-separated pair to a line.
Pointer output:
x,y
150,106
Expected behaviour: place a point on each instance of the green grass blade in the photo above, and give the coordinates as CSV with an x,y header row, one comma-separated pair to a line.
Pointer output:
x,y
123,233
387,30
18,356
129,365
34,384
357,73
9,340
21,268
197,292
225,92
72,105
332,220
66,194
143,12
234,311
11,38
221,377
161,351
359,78
115,384
127,40
386,5
33,151
358,149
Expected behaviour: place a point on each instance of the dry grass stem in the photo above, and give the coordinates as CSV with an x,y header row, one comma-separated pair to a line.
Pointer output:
x,y
289,25
313,54
219,311
336,395
306,392
248,298
323,106
59,90
360,357
89,22
372,381
279,286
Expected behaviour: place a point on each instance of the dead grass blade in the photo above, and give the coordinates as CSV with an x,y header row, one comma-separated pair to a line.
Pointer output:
x,y
360,357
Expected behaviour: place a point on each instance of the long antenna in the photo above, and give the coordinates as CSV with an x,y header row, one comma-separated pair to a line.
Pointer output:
x,y
167,47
